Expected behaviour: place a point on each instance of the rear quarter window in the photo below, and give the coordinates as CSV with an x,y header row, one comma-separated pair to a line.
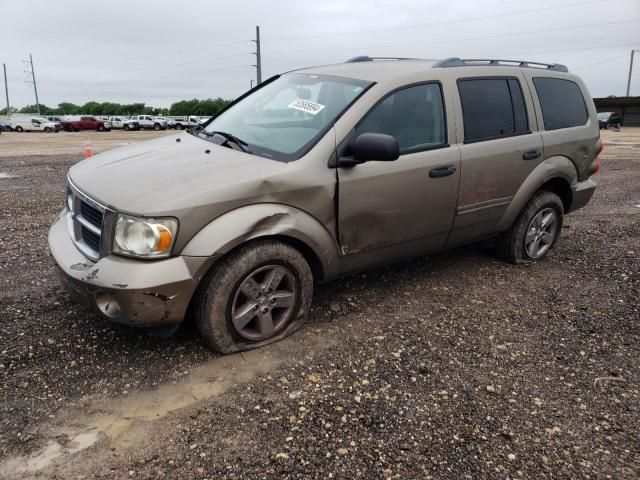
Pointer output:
x,y
561,102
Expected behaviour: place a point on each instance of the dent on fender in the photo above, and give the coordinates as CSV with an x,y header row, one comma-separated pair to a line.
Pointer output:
x,y
259,220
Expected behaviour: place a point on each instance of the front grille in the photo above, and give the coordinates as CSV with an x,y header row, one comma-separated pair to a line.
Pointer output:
x,y
91,239
86,222
91,214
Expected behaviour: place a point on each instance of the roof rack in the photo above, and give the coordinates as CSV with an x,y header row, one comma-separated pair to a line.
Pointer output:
x,y
466,62
366,58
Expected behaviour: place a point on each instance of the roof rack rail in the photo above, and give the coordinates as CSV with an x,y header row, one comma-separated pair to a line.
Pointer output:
x,y
366,58
466,62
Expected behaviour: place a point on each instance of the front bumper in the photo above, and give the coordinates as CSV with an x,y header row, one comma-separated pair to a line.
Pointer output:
x,y
582,193
139,293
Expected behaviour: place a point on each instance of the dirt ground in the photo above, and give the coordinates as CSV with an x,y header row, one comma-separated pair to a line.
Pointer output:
x,y
455,365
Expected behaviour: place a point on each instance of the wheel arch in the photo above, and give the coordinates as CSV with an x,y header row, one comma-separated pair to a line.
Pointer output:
x,y
292,226
555,174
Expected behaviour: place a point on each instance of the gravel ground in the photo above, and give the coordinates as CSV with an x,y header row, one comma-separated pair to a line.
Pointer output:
x,y
451,366
13,144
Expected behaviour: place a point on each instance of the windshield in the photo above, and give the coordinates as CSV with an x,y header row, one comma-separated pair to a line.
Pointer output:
x,y
282,119
604,115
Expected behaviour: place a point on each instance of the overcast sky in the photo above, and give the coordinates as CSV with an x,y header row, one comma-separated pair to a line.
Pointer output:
x,y
162,51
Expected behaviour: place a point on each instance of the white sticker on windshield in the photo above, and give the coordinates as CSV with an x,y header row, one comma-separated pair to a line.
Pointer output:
x,y
306,106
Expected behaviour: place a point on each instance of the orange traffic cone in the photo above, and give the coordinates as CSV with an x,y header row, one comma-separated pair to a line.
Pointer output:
x,y
87,151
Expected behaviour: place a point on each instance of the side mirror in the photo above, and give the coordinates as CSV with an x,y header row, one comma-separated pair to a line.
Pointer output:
x,y
369,147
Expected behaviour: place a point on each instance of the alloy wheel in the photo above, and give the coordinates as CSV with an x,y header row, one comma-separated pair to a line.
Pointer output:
x,y
541,233
264,302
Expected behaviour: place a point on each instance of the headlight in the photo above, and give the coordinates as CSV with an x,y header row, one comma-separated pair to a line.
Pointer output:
x,y
144,237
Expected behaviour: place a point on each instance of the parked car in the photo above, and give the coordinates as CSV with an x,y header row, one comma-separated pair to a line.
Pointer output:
x,y
119,122
236,221
190,121
171,123
609,119
33,124
57,121
5,127
148,122
76,124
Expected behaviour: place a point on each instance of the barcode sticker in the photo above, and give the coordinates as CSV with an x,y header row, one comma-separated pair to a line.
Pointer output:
x,y
306,106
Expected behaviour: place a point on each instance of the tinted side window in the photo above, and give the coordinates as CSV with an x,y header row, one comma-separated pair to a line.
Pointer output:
x,y
414,115
492,108
561,102
520,119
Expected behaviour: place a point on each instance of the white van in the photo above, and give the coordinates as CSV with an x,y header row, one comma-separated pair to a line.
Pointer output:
x,y
34,124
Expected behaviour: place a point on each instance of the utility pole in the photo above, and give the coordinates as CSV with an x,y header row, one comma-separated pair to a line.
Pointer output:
x,y
630,70
258,64
6,88
33,77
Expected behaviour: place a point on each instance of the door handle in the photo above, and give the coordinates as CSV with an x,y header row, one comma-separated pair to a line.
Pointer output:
x,y
442,171
531,154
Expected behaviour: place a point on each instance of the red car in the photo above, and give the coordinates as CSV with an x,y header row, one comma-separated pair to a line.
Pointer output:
x,y
86,123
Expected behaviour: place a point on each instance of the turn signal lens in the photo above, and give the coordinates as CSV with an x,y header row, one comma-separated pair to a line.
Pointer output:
x,y
165,238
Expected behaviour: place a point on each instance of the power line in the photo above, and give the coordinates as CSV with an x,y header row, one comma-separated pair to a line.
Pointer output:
x,y
163,55
482,37
333,34
445,22
591,64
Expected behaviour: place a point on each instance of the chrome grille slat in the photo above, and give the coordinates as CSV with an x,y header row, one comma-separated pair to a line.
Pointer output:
x,y
91,214
88,225
85,220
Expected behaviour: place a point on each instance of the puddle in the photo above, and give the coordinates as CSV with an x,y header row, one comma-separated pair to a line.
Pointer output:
x,y
124,422
7,175
52,451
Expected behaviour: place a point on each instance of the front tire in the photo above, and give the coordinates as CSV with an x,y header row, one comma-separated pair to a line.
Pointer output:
x,y
535,231
258,295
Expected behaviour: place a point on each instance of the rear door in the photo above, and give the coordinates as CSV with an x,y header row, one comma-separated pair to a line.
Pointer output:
x,y
413,198
501,147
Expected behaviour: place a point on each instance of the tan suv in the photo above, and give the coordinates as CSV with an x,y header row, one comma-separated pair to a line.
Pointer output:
x,y
321,172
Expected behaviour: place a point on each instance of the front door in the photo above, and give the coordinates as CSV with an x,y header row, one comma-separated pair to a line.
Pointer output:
x,y
412,198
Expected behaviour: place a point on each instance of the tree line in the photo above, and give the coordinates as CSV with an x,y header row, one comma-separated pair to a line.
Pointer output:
x,y
206,107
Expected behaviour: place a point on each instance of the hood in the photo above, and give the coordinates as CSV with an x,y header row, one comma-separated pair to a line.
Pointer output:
x,y
171,174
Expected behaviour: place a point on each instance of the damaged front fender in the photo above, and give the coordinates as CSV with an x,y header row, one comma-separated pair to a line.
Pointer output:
x,y
265,220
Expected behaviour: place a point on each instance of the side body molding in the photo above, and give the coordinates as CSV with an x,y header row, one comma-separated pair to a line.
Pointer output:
x,y
552,167
264,220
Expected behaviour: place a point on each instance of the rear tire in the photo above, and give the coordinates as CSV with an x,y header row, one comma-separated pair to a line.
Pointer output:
x,y
535,231
19,129
239,288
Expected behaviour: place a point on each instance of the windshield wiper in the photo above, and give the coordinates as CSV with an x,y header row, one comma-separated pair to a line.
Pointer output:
x,y
229,138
